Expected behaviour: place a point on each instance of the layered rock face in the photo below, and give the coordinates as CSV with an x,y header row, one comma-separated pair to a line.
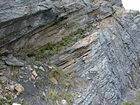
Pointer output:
x,y
108,60
105,63
24,23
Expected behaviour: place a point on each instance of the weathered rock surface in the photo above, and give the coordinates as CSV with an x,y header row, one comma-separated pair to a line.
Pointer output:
x,y
24,23
106,63
13,61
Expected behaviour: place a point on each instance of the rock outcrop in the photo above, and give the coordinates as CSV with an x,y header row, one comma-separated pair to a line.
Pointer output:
x,y
108,60
26,26
105,63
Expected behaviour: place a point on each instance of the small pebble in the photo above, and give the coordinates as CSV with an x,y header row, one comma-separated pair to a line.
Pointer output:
x,y
34,73
41,68
35,67
1,74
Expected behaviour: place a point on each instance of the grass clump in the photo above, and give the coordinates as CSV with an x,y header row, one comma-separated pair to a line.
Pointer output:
x,y
64,80
57,74
96,1
7,99
55,97
15,72
138,95
129,103
53,48
39,95
21,101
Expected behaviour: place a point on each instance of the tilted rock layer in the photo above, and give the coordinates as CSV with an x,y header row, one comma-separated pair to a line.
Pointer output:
x,y
107,60
26,25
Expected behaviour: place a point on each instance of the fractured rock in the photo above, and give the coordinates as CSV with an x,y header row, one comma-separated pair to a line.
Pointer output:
x,y
13,61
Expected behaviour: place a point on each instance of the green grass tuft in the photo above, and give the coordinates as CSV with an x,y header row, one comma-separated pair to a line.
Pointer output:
x,y
55,97
129,103
138,94
53,48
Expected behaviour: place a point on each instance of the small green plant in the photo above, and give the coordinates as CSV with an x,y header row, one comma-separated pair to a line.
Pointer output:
x,y
49,46
21,101
39,95
96,1
39,72
138,94
54,96
7,99
53,48
56,73
56,22
39,82
48,62
15,75
30,93
129,103
67,84
8,96
14,68
15,72
80,31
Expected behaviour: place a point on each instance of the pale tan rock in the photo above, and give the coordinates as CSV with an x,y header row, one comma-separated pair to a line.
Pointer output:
x,y
19,88
41,68
29,68
53,80
34,73
32,77
1,97
1,74
35,66
50,67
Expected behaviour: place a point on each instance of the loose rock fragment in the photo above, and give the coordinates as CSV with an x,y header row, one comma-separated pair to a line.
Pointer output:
x,y
11,88
1,97
64,102
53,80
35,66
32,77
19,88
13,61
29,68
41,68
34,73
16,104
50,67
1,74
